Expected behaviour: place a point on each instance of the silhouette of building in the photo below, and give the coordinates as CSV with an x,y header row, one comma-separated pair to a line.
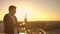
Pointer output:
x,y
25,19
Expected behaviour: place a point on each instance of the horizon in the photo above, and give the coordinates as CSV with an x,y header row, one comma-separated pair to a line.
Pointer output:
x,y
35,21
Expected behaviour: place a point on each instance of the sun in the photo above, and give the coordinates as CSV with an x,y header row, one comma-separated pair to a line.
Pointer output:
x,y
20,13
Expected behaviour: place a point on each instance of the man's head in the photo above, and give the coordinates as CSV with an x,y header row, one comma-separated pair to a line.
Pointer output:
x,y
12,10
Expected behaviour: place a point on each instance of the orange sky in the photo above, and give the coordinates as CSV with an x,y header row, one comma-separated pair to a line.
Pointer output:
x,y
36,10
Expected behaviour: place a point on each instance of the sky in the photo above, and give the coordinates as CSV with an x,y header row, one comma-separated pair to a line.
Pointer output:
x,y
36,10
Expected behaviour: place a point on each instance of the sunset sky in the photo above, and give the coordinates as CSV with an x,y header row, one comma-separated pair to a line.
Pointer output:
x,y
36,10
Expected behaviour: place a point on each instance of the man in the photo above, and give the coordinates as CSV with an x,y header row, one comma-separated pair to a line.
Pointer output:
x,y
10,21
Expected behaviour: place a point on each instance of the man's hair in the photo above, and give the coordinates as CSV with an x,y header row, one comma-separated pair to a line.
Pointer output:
x,y
12,7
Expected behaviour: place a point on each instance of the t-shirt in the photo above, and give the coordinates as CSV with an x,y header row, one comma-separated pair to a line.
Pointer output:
x,y
15,28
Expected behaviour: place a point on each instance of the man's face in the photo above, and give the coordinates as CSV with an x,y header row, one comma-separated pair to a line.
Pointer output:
x,y
13,11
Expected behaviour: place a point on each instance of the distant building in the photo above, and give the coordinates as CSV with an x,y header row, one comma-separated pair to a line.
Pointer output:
x,y
25,18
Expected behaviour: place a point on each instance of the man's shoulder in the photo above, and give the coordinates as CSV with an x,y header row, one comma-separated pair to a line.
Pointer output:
x,y
6,15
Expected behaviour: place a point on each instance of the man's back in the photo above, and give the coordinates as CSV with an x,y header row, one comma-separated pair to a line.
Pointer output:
x,y
8,24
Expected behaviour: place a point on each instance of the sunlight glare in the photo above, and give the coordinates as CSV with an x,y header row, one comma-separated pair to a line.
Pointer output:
x,y
22,33
20,14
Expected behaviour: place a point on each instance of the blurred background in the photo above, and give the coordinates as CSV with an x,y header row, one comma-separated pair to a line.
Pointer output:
x,y
36,16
